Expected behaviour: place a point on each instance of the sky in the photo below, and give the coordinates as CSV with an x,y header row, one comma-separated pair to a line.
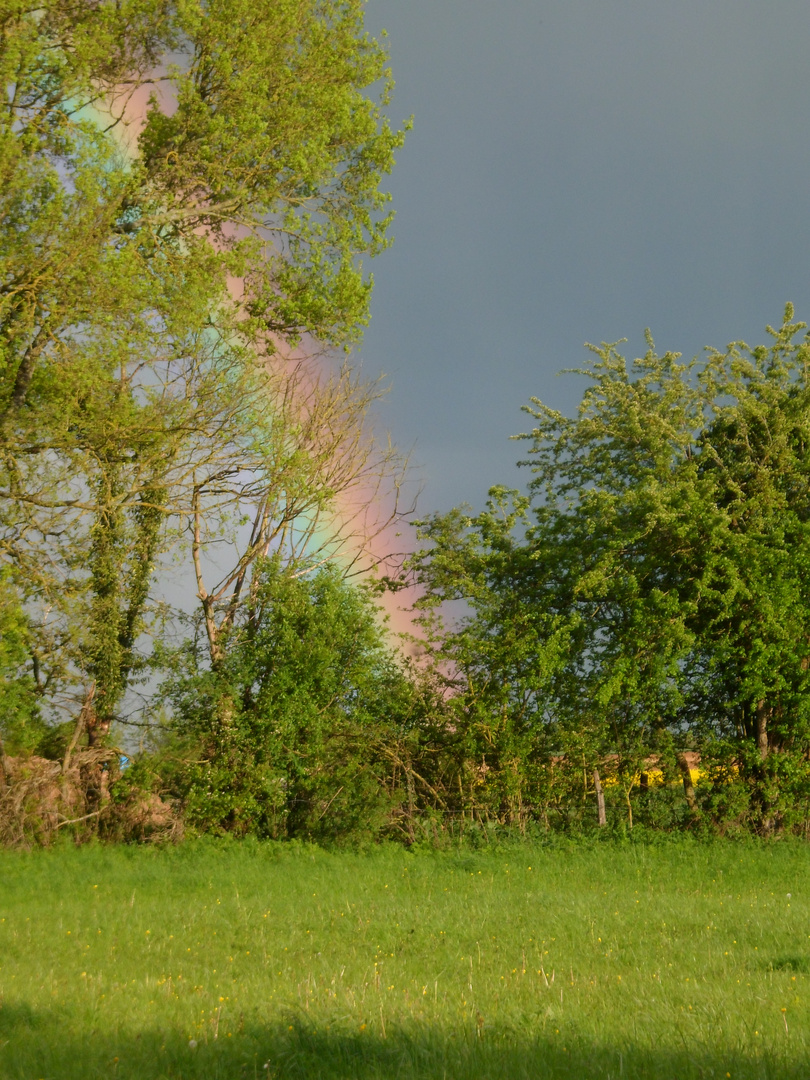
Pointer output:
x,y
578,170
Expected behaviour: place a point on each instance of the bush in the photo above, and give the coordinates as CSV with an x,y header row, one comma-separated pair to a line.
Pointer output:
x,y
290,732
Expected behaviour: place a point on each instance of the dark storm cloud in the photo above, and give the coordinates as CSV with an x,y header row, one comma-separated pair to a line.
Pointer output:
x,y
579,169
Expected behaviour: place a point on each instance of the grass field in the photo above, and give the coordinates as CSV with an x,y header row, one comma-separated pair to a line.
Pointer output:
x,y
674,961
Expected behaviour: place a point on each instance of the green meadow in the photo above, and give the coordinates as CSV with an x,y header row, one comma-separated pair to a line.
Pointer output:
x,y
247,960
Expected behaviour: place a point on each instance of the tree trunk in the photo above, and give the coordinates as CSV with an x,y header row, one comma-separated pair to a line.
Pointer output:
x,y
81,724
97,727
600,798
4,776
763,715
629,807
688,788
411,790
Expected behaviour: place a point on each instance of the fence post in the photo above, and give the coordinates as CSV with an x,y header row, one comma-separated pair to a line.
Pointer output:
x,y
600,798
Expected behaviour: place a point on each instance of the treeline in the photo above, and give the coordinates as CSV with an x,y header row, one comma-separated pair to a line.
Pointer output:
x,y
627,642
186,196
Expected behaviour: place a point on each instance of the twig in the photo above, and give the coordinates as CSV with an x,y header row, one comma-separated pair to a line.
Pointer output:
x,y
330,803
75,821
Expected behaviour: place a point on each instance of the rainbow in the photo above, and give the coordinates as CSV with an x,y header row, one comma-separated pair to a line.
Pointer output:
x,y
375,536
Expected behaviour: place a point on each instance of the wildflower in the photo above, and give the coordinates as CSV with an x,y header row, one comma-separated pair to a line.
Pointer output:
x,y
192,1044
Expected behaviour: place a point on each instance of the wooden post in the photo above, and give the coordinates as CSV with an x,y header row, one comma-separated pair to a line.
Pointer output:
x,y
600,798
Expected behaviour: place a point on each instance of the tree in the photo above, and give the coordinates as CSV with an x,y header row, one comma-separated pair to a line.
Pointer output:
x,y
658,585
748,675
308,485
500,662
143,298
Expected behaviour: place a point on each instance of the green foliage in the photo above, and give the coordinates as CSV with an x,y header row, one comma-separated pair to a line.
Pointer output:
x,y
149,280
55,740
291,728
649,595
273,132
21,727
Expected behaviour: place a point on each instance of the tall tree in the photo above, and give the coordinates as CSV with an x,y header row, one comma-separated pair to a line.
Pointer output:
x,y
666,535
143,296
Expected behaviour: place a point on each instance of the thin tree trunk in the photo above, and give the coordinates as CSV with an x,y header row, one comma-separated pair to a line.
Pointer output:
x,y
688,787
5,779
600,798
81,723
629,807
25,373
206,600
763,715
411,800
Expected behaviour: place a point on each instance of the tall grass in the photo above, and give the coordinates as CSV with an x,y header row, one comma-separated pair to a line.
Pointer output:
x,y
675,961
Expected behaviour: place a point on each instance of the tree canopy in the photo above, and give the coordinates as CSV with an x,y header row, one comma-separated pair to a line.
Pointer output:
x,y
187,193
648,595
